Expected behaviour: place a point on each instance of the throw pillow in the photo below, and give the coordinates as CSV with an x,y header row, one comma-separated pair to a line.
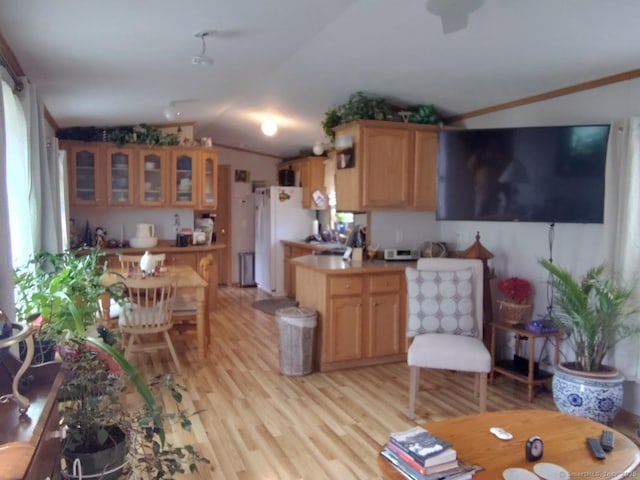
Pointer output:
x,y
440,302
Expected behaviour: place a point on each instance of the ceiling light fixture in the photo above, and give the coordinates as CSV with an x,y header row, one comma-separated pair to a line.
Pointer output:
x,y
269,127
454,14
203,59
318,148
171,112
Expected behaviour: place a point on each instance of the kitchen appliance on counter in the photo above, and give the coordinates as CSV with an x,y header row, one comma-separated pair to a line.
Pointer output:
x,y
278,216
401,254
145,236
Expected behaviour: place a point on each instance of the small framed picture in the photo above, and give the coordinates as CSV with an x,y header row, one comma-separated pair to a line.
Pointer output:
x,y
242,176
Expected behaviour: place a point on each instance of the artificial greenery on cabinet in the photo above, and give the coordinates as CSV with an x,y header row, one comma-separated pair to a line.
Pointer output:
x,y
363,107
138,134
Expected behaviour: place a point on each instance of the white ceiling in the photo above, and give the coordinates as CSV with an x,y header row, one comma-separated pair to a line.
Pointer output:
x,y
121,62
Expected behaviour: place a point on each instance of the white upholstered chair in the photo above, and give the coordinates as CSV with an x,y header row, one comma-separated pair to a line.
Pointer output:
x,y
444,317
148,311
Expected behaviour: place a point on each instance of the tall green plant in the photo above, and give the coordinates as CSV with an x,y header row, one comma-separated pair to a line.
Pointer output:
x,y
593,311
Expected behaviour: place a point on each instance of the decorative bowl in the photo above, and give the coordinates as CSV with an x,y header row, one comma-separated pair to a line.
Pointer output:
x,y
147,242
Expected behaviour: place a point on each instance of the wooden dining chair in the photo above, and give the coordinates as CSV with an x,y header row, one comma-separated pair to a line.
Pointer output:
x,y
147,312
186,309
132,261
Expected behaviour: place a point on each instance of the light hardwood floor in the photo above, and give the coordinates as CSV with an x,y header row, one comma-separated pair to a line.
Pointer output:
x,y
255,423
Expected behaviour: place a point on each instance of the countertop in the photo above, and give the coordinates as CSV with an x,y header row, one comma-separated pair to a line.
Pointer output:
x,y
166,246
319,246
334,264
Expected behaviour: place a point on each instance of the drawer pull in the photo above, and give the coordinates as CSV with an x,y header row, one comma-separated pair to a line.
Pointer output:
x,y
347,286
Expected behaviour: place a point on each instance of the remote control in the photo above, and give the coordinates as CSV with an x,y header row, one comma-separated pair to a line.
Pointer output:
x,y
606,440
596,449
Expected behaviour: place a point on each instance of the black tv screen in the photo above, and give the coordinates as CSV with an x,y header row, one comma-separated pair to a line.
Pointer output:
x,y
531,174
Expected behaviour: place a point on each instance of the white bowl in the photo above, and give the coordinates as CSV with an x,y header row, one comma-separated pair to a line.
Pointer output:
x,y
146,242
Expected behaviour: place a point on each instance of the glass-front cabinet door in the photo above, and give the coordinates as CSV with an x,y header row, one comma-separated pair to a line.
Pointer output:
x,y
183,170
85,171
208,176
152,173
120,177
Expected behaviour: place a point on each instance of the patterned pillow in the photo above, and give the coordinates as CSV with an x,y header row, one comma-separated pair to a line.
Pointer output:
x,y
440,302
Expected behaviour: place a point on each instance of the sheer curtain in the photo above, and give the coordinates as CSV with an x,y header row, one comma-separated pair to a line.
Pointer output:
x,y
44,173
622,225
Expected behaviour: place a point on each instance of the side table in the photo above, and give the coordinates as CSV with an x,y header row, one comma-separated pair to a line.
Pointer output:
x,y
508,368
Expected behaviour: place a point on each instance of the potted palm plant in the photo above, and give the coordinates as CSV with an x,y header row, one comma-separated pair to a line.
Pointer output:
x,y
593,312
66,290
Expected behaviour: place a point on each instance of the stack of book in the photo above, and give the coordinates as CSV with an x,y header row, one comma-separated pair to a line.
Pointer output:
x,y
420,455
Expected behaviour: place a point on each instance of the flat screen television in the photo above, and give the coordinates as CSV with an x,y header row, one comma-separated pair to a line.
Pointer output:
x,y
529,174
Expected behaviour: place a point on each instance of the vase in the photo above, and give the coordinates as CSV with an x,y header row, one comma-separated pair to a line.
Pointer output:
x,y
593,395
515,312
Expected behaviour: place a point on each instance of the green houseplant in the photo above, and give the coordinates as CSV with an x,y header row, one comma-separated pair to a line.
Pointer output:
x,y
66,290
593,312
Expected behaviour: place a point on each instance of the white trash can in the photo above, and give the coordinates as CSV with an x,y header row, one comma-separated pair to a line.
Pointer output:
x,y
296,328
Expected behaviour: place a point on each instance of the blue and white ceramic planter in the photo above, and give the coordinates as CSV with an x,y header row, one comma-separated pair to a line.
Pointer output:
x,y
591,396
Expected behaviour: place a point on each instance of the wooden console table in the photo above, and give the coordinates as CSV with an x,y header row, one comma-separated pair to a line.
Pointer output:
x,y
508,368
29,444
564,438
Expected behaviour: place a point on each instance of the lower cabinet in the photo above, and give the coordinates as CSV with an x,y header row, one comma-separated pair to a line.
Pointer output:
x,y
361,317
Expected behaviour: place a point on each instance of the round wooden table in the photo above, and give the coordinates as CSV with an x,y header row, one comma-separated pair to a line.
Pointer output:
x,y
564,438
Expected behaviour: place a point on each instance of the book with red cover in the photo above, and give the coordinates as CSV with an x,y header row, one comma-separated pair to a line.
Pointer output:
x,y
421,445
438,463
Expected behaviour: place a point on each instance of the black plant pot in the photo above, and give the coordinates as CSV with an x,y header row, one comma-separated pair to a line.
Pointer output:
x,y
111,459
44,351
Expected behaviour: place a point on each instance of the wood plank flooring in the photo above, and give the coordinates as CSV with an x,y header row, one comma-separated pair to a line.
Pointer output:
x,y
258,424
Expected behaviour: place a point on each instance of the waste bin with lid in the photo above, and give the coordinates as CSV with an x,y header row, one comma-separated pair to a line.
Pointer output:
x,y
296,328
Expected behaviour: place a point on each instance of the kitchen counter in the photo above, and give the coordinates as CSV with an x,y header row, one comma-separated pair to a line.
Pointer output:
x,y
335,265
361,309
313,246
165,246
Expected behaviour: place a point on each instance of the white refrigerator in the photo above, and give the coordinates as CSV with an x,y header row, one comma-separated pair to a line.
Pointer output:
x,y
279,216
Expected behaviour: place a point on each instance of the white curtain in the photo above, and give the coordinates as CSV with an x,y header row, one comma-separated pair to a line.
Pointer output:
x,y
622,225
44,192
6,262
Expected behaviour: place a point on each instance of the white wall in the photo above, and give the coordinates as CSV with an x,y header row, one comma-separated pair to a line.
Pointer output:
x,y
261,168
517,247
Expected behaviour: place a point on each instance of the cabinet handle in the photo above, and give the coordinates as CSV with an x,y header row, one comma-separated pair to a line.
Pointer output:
x,y
347,286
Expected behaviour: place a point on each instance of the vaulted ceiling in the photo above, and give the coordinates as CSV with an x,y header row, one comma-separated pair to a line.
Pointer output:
x,y
123,61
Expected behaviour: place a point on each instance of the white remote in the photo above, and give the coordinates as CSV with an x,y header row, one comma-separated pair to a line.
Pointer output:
x,y
501,433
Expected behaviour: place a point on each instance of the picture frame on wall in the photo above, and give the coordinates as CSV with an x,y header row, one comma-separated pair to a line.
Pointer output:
x,y
242,176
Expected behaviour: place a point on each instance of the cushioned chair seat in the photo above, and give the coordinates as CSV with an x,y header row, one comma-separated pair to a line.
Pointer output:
x,y
436,350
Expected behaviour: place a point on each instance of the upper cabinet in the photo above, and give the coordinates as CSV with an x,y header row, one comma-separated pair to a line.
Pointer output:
x,y
386,166
86,174
309,172
207,180
102,174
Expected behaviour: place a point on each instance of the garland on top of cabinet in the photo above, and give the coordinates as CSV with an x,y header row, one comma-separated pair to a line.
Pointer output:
x,y
140,134
361,107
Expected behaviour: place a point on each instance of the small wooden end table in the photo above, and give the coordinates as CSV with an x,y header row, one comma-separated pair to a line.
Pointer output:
x,y
564,438
507,368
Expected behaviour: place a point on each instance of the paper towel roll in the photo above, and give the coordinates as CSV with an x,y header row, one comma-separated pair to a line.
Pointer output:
x,y
315,229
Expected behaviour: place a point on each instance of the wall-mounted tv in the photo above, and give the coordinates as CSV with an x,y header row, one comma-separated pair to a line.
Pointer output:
x,y
529,174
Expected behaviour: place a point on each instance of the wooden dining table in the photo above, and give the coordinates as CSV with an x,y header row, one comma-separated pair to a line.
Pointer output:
x,y
187,279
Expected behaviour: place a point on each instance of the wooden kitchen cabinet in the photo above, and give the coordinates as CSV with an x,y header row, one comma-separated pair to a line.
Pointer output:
x,y
360,314
153,166
207,180
86,173
291,252
310,171
144,176
120,177
394,166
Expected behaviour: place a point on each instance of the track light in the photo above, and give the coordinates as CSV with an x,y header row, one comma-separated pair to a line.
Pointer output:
x,y
269,127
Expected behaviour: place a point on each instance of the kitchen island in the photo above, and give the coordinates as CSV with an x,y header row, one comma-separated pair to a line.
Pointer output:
x,y
294,249
361,309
